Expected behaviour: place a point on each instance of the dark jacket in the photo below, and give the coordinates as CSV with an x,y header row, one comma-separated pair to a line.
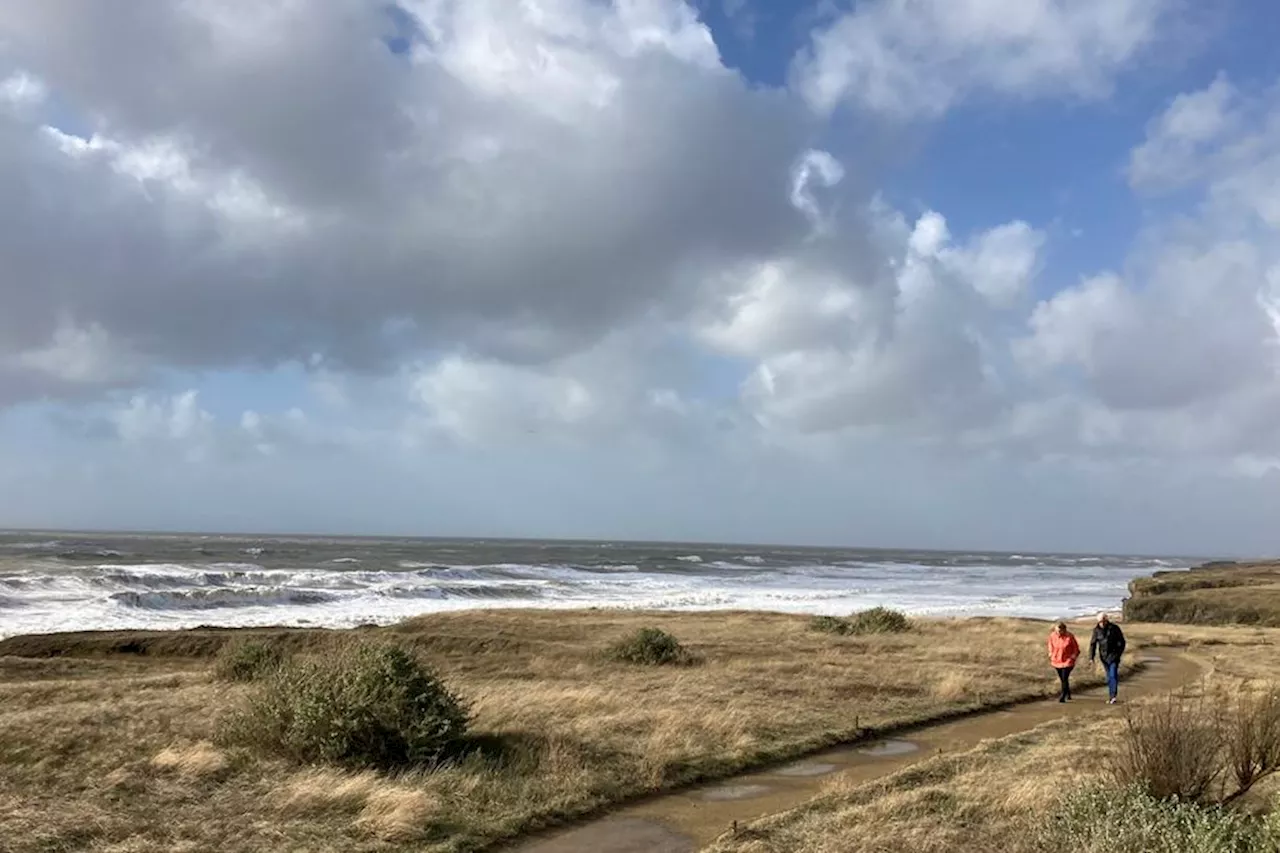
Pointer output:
x,y
1107,643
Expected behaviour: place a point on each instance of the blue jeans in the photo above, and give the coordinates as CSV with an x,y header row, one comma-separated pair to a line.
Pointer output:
x,y
1113,677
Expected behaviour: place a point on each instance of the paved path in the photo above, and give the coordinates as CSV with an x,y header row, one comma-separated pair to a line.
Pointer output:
x,y
684,821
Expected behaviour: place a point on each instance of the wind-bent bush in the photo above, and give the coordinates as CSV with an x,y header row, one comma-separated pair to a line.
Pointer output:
x,y
246,660
877,620
366,706
1173,747
652,647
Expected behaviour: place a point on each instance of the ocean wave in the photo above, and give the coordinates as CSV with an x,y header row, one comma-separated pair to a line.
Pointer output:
x,y
83,556
345,560
752,559
464,591
217,599
32,546
690,558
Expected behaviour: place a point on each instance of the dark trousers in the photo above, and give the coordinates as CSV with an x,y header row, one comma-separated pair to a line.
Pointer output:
x,y
1064,675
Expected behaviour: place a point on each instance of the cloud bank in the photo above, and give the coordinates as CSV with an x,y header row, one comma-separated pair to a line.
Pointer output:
x,y
568,227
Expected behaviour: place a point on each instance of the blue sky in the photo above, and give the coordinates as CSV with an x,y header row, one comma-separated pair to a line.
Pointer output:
x,y
972,275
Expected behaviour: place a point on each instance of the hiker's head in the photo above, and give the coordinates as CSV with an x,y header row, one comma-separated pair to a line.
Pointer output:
x,y
1062,627
1103,620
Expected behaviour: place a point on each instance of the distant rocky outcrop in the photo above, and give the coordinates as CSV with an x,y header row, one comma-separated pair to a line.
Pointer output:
x,y
1222,592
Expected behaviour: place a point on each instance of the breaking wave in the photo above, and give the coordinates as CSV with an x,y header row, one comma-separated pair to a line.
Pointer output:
x,y
164,582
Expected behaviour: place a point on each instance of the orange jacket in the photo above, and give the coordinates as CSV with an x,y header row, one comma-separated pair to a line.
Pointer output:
x,y
1063,649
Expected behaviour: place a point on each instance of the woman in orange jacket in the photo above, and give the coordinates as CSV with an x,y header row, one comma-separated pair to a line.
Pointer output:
x,y
1063,651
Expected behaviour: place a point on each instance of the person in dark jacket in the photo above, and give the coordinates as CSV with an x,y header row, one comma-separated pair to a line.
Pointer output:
x,y
1107,646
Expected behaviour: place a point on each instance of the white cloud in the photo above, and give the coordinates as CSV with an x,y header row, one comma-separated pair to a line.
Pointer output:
x,y
815,169
1176,141
81,356
1181,350
920,57
908,344
178,420
523,179
562,238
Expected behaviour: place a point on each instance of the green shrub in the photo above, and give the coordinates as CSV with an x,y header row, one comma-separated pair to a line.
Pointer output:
x,y
366,706
879,620
650,646
829,625
246,661
1104,819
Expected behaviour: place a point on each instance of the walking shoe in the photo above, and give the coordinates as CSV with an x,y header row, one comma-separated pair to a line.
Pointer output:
x,y
1111,701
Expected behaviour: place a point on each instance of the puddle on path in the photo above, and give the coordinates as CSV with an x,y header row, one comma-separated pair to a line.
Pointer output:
x,y
890,748
807,768
734,792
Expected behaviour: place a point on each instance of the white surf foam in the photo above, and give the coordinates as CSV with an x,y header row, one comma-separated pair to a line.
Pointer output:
x,y
41,595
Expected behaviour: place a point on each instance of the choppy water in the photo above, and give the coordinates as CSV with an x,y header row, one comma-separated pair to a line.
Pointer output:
x,y
70,582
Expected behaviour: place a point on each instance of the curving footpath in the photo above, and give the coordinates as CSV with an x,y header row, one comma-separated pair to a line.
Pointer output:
x,y
686,820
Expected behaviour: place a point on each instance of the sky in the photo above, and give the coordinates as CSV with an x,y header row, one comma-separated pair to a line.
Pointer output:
x,y
998,274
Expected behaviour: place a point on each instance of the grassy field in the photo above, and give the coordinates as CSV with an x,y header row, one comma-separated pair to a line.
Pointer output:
x,y
1003,794
1213,594
991,798
107,741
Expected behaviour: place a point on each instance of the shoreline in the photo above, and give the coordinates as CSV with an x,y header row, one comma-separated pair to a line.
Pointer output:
x,y
140,640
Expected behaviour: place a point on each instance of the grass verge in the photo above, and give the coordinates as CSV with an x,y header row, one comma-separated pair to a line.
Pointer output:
x,y
118,744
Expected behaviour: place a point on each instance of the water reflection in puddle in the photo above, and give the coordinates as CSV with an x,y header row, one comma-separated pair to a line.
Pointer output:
x,y
808,768
890,748
735,792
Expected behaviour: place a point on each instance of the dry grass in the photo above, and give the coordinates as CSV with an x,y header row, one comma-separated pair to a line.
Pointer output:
x,y
990,798
196,761
998,796
116,745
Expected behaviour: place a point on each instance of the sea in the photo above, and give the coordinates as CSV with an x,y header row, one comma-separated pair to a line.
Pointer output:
x,y
96,581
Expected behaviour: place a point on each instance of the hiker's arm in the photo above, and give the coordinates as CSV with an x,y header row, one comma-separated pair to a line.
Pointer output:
x,y
1093,645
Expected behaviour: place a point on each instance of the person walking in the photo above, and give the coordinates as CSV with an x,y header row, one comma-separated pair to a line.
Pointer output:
x,y
1108,645
1063,652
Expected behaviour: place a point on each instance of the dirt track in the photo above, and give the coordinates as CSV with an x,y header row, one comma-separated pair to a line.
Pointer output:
x,y
684,821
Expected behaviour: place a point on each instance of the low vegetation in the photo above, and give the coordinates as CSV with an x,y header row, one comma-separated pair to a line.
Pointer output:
x,y
119,735
650,647
1203,748
1105,819
366,706
877,620
1188,773
247,660
1213,594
